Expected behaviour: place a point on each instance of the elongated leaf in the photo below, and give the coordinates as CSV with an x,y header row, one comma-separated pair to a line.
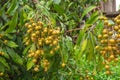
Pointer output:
x,y
2,67
99,27
13,23
12,7
86,11
82,48
29,64
58,9
6,54
3,8
64,50
93,18
15,57
23,16
26,49
91,45
12,44
80,37
3,61
76,51
69,43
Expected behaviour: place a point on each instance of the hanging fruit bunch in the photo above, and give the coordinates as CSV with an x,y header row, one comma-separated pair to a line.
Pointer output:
x,y
109,42
45,39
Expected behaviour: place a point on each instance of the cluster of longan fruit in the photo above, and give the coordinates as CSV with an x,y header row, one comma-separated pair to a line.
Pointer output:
x,y
109,42
46,41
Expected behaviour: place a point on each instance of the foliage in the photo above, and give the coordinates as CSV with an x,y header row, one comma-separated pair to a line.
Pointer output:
x,y
36,40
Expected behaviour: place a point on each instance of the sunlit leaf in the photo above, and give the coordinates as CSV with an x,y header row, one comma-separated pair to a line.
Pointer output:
x,y
82,48
29,64
12,44
80,37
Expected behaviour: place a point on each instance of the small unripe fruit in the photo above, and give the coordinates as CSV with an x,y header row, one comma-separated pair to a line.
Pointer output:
x,y
35,61
5,41
33,24
29,26
111,57
116,28
51,52
112,41
109,48
33,35
118,21
110,33
63,65
1,73
105,31
37,32
36,69
107,66
106,22
55,42
97,47
26,24
108,72
105,36
99,36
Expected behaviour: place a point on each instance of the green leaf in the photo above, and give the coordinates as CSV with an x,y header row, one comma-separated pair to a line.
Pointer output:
x,y
82,47
93,18
15,57
12,7
69,43
91,46
58,9
86,11
13,23
80,36
6,54
26,49
21,17
3,8
12,44
2,67
29,64
4,26
99,27
64,50
3,61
